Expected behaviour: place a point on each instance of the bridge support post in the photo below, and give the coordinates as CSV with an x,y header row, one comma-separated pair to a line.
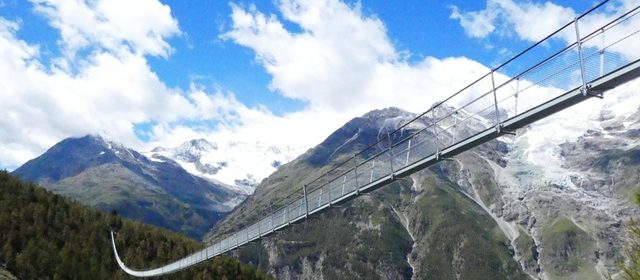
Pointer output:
x,y
406,162
583,89
355,174
602,53
271,221
455,126
373,165
495,101
517,92
435,130
390,154
306,203
286,215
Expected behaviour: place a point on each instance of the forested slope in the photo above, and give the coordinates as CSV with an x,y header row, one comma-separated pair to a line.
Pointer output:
x,y
45,236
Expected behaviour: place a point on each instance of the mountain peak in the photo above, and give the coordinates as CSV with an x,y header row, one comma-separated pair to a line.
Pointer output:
x,y
190,151
89,139
96,140
386,113
202,144
67,158
195,147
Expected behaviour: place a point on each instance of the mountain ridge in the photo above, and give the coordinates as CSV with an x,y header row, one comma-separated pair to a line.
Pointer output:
x,y
107,175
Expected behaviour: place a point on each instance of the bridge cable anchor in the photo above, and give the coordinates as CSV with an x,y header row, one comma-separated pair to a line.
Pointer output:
x,y
509,132
594,93
446,158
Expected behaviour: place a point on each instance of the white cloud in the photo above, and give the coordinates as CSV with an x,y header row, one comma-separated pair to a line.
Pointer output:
x,y
351,74
142,25
339,76
475,24
532,21
321,52
108,91
342,60
342,63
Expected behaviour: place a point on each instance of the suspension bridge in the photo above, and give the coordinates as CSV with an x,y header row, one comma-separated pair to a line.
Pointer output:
x,y
581,60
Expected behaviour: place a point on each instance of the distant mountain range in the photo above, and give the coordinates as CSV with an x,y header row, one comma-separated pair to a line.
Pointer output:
x,y
107,175
236,165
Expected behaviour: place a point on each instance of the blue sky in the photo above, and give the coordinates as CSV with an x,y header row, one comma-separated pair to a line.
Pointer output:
x,y
420,28
158,73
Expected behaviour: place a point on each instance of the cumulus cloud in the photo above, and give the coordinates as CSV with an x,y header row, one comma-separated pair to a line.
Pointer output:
x,y
342,60
112,89
602,52
107,92
533,21
528,20
321,52
350,75
140,25
475,24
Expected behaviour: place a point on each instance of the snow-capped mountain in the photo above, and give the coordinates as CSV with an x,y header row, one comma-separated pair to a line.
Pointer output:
x,y
107,175
236,165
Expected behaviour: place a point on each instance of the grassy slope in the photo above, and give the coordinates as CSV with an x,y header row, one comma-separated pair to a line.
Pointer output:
x,y
459,239
567,248
362,240
528,252
111,186
47,236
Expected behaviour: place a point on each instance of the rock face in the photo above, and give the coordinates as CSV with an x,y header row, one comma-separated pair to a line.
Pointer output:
x,y
107,175
574,198
4,274
514,208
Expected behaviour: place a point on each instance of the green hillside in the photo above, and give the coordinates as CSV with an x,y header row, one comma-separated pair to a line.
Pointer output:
x,y
45,236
